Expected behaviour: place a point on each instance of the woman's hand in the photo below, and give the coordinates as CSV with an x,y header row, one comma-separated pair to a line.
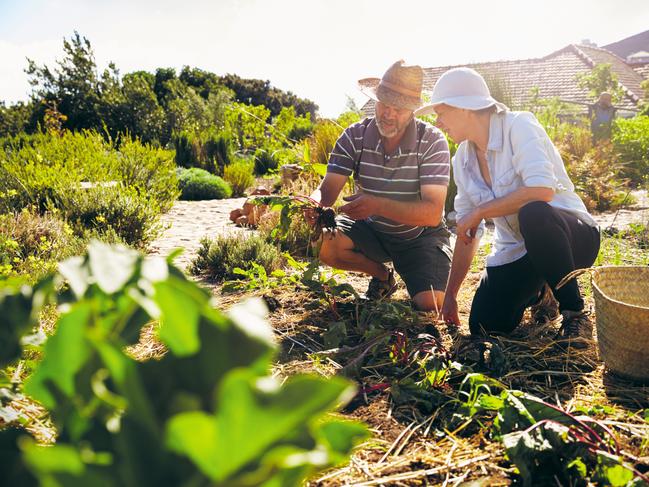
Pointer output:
x,y
450,310
467,226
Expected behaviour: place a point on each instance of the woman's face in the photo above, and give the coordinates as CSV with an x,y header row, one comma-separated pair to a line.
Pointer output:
x,y
453,121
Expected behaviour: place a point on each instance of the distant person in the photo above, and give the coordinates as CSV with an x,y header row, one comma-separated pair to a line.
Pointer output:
x,y
601,115
401,168
507,169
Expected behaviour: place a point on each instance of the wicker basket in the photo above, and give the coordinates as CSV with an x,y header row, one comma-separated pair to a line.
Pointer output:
x,y
622,310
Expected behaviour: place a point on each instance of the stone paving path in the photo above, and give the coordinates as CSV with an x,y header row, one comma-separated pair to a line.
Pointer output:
x,y
188,221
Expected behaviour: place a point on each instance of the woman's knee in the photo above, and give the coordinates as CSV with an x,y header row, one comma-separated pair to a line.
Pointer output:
x,y
532,216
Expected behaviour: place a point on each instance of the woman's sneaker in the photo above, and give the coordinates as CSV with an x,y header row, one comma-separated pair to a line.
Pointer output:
x,y
379,289
576,329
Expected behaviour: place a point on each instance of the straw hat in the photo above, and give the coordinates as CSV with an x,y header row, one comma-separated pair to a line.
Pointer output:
x,y
461,88
400,86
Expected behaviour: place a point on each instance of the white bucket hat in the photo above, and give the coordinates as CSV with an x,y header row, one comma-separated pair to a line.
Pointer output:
x,y
461,88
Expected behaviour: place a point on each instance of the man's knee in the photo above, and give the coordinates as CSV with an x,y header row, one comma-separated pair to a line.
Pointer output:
x,y
327,254
333,244
428,300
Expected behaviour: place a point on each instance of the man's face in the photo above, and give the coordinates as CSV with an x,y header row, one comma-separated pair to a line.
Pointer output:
x,y
452,121
392,121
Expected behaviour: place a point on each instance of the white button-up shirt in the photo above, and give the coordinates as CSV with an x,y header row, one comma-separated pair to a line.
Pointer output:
x,y
519,153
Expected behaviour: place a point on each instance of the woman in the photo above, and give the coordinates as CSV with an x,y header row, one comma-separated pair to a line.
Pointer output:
x,y
507,169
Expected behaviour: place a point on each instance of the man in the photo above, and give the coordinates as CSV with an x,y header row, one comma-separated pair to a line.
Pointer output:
x,y
601,115
401,168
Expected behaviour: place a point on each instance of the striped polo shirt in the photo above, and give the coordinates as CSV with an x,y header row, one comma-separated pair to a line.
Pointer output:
x,y
421,158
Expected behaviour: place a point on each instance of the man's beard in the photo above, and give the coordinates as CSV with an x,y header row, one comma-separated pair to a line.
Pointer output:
x,y
393,131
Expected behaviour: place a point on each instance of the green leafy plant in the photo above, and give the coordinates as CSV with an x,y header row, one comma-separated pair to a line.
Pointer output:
x,y
631,144
219,257
544,440
207,413
198,184
291,206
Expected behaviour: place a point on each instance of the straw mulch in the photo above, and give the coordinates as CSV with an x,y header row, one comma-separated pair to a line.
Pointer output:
x,y
409,446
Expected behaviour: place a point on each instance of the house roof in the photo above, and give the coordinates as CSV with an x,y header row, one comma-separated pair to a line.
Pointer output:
x,y
630,45
643,70
555,75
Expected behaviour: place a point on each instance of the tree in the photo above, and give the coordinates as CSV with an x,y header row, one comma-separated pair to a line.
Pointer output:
x,y
600,79
14,118
258,92
74,85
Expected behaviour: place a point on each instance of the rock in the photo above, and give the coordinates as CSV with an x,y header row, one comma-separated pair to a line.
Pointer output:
x,y
260,190
234,214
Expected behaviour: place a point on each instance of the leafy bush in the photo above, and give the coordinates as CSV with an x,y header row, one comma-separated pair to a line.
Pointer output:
x,y
187,149
631,141
209,150
217,148
31,244
207,413
265,161
239,175
198,184
46,171
297,238
113,210
150,171
597,180
218,258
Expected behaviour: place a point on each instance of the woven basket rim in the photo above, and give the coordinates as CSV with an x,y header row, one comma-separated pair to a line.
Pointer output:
x,y
616,301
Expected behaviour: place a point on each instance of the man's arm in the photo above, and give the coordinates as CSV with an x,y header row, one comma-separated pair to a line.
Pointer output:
x,y
426,212
329,189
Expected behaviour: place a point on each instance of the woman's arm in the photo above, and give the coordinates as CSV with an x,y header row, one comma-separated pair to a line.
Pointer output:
x,y
462,258
503,206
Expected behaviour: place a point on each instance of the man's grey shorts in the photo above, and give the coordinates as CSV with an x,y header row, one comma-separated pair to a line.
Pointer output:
x,y
423,262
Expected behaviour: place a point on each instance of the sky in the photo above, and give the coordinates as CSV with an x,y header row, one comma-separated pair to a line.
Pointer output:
x,y
317,49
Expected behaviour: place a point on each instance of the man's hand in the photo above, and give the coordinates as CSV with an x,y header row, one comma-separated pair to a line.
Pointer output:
x,y
360,206
310,215
449,310
467,226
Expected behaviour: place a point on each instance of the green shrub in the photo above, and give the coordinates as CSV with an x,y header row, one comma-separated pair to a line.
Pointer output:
x,y
265,161
113,210
198,184
597,180
631,142
32,244
187,149
217,151
217,258
239,175
150,170
128,188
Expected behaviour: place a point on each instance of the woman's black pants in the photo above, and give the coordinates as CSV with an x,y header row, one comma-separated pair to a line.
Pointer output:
x,y
557,243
